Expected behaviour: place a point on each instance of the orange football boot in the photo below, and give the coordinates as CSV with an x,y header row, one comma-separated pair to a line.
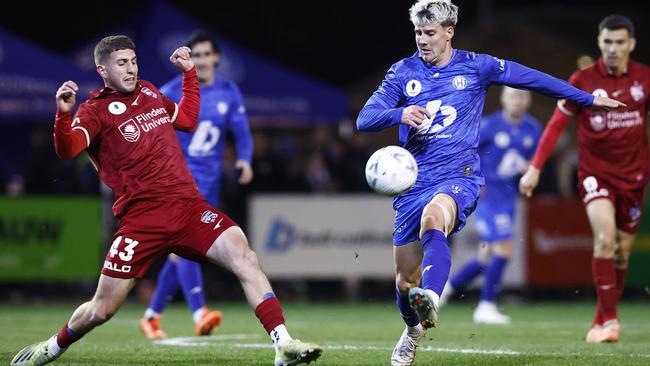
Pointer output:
x,y
209,320
151,328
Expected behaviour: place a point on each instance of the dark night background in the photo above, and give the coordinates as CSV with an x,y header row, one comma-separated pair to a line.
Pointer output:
x,y
343,42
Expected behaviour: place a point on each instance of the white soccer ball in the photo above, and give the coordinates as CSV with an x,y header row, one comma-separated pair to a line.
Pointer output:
x,y
391,170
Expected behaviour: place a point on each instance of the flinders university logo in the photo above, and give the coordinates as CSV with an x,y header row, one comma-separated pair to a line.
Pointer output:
x,y
130,130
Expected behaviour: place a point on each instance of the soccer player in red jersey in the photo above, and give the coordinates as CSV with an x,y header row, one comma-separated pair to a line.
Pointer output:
x,y
127,129
614,163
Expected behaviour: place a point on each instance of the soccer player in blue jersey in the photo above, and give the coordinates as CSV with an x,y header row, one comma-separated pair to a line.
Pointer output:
x,y
222,108
507,142
436,98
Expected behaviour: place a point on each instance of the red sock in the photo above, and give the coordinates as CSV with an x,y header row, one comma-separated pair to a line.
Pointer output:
x,y
605,283
269,313
66,337
598,317
621,276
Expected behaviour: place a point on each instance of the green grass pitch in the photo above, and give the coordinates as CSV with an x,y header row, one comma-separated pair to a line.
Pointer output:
x,y
352,334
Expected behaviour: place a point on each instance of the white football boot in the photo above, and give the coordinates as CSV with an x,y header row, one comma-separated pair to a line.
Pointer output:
x,y
404,352
487,313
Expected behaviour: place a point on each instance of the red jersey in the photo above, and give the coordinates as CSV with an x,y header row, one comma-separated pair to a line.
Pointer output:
x,y
613,145
131,140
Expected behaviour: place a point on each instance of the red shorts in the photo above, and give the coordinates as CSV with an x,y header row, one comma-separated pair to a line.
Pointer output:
x,y
152,229
627,204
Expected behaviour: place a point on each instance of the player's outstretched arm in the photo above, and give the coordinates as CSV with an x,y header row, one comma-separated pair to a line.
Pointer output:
x,y
529,181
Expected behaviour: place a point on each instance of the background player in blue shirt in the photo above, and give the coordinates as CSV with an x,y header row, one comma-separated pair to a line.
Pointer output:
x,y
222,108
436,97
507,142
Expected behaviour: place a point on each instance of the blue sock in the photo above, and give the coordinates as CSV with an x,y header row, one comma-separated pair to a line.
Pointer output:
x,y
493,274
166,287
189,275
408,314
467,274
436,261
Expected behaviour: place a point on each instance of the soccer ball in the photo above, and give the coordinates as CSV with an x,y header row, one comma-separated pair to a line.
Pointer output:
x,y
391,170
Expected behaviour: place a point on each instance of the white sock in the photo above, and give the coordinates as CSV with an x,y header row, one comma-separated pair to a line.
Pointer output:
x,y
279,335
150,314
53,346
434,297
197,315
416,330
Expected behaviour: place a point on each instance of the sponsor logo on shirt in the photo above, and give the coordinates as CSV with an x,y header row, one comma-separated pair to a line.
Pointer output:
x,y
597,122
117,108
130,130
413,88
144,121
613,120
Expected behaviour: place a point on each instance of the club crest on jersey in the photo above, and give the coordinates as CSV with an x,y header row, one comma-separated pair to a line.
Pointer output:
x,y
637,91
597,122
413,88
117,108
459,82
208,217
222,107
148,92
130,130
635,213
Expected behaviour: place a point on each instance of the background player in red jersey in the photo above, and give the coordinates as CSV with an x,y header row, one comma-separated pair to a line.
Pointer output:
x,y
614,163
127,129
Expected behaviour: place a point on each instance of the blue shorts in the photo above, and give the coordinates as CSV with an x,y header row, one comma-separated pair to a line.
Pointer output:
x,y
495,220
409,206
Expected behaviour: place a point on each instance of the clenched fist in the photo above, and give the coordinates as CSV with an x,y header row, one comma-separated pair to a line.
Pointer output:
x,y
182,58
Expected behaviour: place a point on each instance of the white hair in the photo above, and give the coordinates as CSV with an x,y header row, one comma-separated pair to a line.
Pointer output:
x,y
442,12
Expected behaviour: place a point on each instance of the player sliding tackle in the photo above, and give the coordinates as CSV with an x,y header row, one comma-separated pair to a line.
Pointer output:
x,y
436,98
158,204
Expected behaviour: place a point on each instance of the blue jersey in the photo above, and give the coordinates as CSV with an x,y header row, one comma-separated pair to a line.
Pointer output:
x,y
505,149
445,145
222,108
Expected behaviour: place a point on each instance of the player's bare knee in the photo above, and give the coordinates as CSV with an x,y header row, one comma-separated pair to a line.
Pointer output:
x,y
604,244
430,221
